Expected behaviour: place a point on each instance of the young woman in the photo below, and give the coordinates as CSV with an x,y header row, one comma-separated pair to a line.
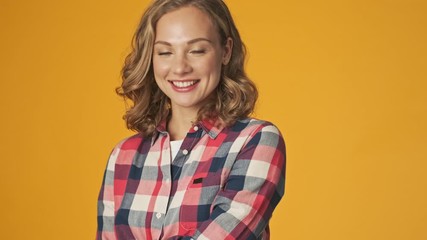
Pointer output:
x,y
199,167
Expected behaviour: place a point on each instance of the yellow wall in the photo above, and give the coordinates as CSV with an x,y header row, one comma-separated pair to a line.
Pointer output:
x,y
345,81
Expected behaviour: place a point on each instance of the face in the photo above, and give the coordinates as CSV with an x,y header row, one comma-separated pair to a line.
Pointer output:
x,y
187,57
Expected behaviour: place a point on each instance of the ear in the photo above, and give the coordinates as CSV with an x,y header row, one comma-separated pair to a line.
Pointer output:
x,y
228,49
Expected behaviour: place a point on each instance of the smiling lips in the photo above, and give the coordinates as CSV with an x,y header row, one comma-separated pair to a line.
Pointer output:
x,y
184,85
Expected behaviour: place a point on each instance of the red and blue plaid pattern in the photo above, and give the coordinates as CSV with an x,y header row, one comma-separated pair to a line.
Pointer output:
x,y
224,183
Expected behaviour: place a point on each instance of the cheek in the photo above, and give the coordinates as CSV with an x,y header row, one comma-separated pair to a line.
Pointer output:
x,y
159,67
159,73
211,66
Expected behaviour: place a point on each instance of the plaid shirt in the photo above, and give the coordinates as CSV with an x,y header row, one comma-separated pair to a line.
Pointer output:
x,y
224,183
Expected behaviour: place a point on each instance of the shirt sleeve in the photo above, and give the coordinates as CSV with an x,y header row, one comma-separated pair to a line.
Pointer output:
x,y
253,189
105,229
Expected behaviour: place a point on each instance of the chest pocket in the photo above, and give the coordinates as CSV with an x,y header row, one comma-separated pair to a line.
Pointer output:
x,y
196,204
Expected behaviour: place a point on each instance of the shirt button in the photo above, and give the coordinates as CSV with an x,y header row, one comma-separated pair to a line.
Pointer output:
x,y
185,151
158,215
196,128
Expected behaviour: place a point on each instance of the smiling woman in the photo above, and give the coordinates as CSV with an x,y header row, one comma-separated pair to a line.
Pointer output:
x,y
187,61
199,166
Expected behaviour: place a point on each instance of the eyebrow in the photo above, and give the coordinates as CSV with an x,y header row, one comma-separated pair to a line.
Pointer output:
x,y
188,43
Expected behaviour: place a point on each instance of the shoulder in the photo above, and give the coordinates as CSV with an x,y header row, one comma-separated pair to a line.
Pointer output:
x,y
129,143
252,132
125,149
253,126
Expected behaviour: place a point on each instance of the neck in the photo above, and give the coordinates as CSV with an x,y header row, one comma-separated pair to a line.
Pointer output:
x,y
180,122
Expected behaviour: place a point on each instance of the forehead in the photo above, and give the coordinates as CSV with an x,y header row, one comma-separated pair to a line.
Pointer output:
x,y
184,24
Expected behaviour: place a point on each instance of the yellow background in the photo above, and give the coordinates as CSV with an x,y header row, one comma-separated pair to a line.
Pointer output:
x,y
344,80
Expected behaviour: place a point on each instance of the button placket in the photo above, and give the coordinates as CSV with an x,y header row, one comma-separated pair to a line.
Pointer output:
x,y
185,151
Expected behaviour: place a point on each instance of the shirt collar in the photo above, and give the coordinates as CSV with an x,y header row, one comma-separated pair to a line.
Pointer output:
x,y
212,127
160,129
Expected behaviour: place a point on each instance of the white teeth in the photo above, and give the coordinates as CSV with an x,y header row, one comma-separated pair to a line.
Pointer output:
x,y
182,84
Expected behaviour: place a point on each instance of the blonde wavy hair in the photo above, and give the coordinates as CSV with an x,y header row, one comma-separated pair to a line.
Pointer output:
x,y
234,97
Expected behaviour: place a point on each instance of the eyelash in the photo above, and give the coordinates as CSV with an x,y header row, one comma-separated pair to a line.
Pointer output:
x,y
201,51
197,52
164,53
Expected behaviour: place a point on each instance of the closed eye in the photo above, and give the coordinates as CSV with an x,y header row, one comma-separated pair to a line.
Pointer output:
x,y
164,53
201,51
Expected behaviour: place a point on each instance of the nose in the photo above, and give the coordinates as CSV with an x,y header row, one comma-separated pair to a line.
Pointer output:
x,y
181,65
